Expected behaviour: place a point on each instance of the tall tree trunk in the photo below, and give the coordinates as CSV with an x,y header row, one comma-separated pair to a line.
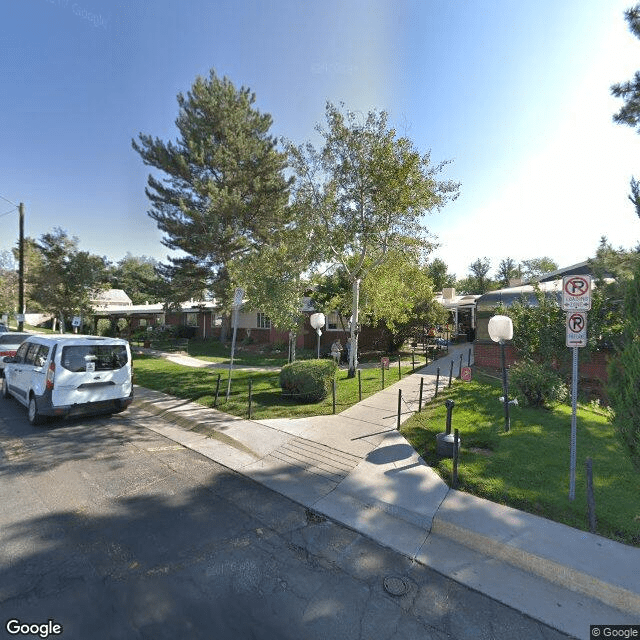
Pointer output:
x,y
353,356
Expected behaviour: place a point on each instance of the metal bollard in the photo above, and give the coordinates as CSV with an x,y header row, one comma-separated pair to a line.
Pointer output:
x,y
456,453
450,372
445,441
435,395
449,404
460,368
215,402
333,389
399,408
420,399
469,358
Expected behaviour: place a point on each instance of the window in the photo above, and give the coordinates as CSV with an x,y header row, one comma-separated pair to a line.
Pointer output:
x,y
142,322
160,318
22,351
106,357
41,357
263,321
192,320
332,321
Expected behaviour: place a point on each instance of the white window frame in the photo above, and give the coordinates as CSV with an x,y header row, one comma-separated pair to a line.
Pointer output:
x,y
263,321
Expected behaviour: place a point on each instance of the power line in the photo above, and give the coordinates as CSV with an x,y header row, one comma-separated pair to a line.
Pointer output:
x,y
8,212
9,201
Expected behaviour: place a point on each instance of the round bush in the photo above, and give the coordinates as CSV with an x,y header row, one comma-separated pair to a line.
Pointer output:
x,y
307,380
536,385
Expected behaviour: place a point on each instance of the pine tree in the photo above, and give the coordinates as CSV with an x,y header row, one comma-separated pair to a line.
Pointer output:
x,y
223,194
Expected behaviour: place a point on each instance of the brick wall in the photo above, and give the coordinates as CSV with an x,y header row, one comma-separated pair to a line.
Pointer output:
x,y
487,354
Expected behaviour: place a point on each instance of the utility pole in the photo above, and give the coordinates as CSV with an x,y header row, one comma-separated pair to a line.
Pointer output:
x,y
21,271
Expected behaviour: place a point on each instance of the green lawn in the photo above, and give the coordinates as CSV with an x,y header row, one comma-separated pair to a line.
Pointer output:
x,y
267,401
528,468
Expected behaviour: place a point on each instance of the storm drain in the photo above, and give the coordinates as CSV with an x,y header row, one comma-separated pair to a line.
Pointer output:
x,y
395,585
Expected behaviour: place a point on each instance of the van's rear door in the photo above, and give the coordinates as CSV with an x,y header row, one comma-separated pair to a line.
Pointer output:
x,y
92,371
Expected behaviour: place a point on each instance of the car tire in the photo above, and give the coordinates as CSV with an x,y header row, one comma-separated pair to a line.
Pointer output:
x,y
5,389
32,412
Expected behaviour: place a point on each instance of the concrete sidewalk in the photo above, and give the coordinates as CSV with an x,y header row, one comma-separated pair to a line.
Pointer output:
x,y
357,469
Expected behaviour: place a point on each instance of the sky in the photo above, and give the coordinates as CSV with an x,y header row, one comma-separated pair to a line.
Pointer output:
x,y
516,95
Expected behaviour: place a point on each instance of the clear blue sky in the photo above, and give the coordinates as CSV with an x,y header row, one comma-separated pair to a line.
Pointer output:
x,y
516,94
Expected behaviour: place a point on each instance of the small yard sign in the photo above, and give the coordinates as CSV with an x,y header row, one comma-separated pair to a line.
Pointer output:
x,y
465,374
384,363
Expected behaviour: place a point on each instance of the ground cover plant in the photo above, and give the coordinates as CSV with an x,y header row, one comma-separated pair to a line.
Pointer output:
x,y
528,468
268,401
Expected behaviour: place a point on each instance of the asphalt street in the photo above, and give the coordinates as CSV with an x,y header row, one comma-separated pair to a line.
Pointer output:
x,y
113,531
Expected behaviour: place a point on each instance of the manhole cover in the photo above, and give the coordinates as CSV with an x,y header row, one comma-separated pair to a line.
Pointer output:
x,y
395,585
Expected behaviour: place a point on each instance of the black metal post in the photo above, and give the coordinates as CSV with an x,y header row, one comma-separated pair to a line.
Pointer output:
x,y
450,372
333,390
437,382
456,451
215,402
420,400
359,386
505,388
591,502
449,404
399,408
469,358
460,368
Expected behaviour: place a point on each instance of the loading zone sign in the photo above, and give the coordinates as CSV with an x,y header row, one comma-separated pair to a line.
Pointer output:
x,y
576,329
576,293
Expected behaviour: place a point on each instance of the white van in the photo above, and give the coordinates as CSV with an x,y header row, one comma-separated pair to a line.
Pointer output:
x,y
62,375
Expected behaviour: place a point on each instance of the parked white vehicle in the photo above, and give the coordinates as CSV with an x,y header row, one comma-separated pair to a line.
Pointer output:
x,y
62,375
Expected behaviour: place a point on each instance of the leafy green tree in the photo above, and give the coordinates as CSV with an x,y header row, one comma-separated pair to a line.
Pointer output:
x,y
629,91
224,193
67,278
624,372
538,329
536,267
507,270
478,280
367,189
137,277
8,283
274,279
438,271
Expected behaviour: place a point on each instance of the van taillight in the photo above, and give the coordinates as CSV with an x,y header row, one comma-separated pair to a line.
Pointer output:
x,y
51,372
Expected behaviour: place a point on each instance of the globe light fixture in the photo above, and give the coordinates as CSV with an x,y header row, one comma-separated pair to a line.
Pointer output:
x,y
500,330
317,322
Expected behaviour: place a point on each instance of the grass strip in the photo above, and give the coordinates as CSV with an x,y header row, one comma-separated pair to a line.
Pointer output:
x,y
528,468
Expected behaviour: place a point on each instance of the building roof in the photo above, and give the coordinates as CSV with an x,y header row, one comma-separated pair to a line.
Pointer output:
x,y
111,298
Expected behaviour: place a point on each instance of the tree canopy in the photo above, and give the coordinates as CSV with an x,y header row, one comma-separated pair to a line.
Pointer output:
x,y
223,193
368,189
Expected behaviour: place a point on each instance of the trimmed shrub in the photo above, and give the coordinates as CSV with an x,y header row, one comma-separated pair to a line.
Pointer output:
x,y
536,384
307,381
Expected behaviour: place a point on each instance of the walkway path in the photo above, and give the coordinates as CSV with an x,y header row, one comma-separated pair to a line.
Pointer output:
x,y
356,468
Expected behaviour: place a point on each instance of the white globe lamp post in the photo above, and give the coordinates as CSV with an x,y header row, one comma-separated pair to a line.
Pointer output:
x,y
317,323
500,330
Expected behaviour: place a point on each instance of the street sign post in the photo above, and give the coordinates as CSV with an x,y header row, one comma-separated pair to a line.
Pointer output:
x,y
576,300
